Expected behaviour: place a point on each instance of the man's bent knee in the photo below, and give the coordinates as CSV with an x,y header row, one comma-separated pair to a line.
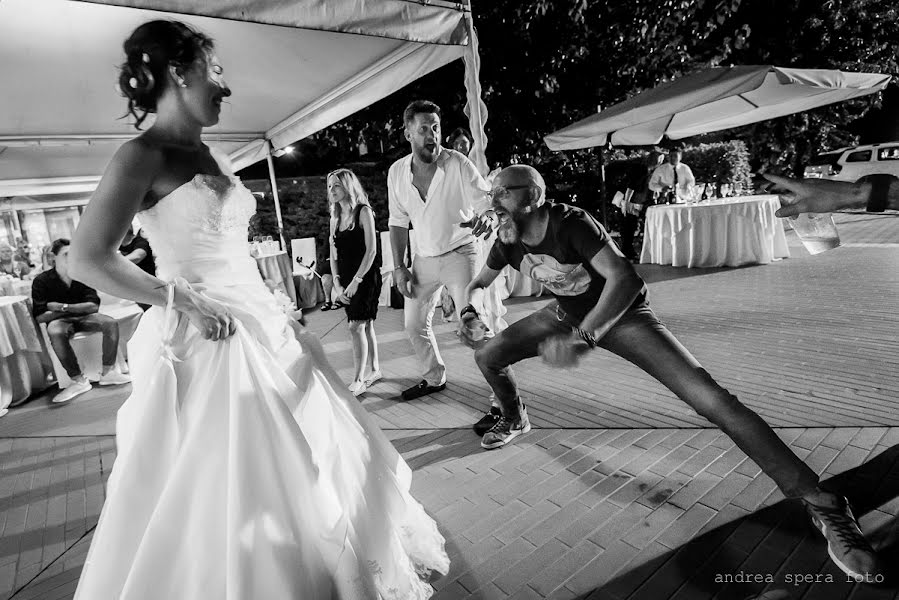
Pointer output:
x,y
58,329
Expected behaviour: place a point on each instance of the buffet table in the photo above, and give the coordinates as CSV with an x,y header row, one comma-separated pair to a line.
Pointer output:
x,y
723,232
25,366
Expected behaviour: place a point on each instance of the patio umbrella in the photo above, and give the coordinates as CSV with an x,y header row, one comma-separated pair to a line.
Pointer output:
x,y
714,99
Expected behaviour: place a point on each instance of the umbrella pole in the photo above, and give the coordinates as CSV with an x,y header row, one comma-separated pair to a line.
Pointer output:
x,y
271,175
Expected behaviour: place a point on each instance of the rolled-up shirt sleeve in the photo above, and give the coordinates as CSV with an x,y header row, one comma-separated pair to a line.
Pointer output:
x,y
398,216
476,186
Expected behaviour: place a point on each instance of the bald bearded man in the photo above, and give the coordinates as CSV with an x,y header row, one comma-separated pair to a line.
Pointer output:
x,y
601,302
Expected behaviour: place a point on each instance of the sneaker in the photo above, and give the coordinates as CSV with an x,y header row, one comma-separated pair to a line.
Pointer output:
x,y
846,544
422,388
358,388
373,377
114,377
77,387
487,421
506,430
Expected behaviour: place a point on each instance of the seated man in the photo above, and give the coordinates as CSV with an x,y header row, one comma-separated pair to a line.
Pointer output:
x,y
602,303
68,307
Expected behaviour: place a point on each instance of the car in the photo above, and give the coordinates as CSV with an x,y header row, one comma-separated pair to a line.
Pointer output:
x,y
854,163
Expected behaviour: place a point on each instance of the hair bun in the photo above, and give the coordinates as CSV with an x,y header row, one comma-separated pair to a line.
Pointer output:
x,y
149,51
136,81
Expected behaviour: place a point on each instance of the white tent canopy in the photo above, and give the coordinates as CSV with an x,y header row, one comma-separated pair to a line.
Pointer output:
x,y
714,99
295,67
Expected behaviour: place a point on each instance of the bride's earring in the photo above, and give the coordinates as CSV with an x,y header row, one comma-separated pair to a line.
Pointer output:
x,y
182,83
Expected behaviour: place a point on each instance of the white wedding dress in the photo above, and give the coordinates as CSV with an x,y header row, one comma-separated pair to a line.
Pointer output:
x,y
245,469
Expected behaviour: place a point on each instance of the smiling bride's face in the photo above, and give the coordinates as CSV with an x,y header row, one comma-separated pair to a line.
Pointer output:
x,y
203,88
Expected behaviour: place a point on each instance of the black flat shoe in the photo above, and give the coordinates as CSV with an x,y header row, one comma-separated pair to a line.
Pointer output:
x,y
421,389
327,306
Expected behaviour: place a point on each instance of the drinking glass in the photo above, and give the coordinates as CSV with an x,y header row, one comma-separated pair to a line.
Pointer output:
x,y
817,231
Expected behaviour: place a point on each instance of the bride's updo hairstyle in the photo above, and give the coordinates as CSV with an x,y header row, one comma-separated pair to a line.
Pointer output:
x,y
149,51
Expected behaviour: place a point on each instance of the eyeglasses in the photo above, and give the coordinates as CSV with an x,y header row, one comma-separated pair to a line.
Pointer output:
x,y
501,191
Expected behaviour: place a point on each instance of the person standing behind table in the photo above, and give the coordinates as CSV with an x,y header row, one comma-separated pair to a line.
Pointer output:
x,y
69,307
640,201
673,174
136,248
434,189
356,267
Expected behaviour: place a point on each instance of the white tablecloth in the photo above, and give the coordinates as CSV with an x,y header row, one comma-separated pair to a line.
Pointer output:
x,y
14,287
725,232
24,365
277,268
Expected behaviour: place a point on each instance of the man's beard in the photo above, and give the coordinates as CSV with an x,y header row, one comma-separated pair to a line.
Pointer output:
x,y
425,155
508,232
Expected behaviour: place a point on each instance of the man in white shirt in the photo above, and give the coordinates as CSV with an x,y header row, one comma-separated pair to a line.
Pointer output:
x,y
673,174
434,189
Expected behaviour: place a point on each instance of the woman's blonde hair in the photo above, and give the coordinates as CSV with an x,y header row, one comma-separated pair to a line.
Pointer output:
x,y
354,189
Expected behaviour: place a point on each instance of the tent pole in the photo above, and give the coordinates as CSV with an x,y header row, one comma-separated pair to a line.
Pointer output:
x,y
475,109
274,181
602,186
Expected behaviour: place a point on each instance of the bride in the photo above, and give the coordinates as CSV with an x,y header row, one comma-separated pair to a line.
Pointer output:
x,y
245,469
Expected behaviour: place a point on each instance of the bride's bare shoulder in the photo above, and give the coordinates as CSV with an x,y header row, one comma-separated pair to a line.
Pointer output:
x,y
137,159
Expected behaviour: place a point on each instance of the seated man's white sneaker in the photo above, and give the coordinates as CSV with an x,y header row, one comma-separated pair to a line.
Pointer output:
x,y
78,387
114,377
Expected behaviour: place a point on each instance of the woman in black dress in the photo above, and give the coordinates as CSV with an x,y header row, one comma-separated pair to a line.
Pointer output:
x,y
356,267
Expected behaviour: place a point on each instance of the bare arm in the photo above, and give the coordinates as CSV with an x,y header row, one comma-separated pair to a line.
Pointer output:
x,y
399,243
332,255
622,287
136,256
825,195
81,308
371,244
475,290
94,257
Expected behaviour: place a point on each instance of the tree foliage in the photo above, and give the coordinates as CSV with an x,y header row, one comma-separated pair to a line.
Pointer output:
x,y
548,63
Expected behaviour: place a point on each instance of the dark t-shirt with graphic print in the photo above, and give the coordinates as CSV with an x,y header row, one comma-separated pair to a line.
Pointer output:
x,y
561,261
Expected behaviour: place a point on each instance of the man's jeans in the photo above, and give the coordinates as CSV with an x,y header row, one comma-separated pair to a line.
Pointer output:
x,y
640,338
62,330
455,270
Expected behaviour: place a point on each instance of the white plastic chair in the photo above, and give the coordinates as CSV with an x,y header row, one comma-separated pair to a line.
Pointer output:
x,y
304,250
88,345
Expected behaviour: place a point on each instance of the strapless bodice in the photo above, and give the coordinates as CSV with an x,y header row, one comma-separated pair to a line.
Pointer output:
x,y
199,232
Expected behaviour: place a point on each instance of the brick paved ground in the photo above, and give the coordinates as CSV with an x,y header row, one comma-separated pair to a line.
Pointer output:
x,y
619,492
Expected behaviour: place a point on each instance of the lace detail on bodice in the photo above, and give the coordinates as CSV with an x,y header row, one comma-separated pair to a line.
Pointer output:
x,y
199,230
218,210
